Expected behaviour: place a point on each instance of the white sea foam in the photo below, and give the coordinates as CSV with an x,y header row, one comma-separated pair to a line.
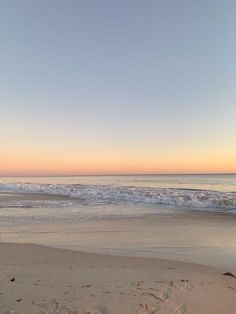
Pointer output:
x,y
109,194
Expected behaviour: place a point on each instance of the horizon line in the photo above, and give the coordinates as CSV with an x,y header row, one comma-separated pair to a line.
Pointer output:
x,y
118,174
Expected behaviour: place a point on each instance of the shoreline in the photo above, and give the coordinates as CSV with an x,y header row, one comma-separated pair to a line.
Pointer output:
x,y
52,261
36,279
204,238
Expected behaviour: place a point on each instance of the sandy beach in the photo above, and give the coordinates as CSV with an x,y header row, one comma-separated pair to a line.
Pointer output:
x,y
165,263
37,279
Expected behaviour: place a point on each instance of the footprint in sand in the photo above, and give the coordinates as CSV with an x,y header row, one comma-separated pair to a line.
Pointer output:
x,y
180,309
148,308
186,287
165,294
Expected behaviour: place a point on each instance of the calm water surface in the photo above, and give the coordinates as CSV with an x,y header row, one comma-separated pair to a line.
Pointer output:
x,y
214,182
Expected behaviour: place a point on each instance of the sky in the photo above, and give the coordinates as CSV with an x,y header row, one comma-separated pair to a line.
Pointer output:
x,y
104,86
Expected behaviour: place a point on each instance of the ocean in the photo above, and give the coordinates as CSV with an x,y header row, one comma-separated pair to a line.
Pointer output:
x,y
129,195
181,217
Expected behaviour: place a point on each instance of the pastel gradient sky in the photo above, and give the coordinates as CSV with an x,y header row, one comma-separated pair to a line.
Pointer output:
x,y
103,86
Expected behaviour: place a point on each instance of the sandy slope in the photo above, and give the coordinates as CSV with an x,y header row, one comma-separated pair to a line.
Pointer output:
x,y
47,280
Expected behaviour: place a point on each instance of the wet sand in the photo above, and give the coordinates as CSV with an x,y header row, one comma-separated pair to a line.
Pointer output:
x,y
202,238
11,196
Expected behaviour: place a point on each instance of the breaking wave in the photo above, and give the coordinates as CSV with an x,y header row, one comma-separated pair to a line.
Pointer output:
x,y
109,194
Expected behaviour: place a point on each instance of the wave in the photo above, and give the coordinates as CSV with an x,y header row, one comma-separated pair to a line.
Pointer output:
x,y
109,194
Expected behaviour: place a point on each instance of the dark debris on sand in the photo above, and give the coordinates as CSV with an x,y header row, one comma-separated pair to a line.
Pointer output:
x,y
229,274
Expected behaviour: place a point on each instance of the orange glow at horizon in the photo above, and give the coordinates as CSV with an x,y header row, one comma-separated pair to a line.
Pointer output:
x,y
116,164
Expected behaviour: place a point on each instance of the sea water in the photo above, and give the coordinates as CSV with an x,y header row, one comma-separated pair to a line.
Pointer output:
x,y
184,217
135,194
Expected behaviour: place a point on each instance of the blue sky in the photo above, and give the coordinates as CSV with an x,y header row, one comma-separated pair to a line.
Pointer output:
x,y
117,78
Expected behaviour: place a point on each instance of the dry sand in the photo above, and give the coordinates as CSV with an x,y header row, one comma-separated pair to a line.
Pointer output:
x,y
37,279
